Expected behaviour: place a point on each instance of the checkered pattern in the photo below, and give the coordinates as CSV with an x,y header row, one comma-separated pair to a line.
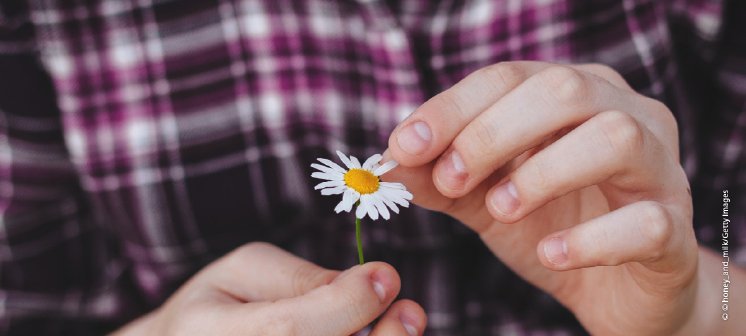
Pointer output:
x,y
141,139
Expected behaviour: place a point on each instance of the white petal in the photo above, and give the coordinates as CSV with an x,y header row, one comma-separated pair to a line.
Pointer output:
x,y
345,160
333,165
362,208
402,202
393,185
328,184
355,162
348,200
381,207
333,191
384,168
366,202
322,168
328,176
372,212
398,193
385,199
391,195
371,161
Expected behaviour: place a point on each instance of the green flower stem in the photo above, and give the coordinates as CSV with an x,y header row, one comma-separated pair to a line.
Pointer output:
x,y
359,241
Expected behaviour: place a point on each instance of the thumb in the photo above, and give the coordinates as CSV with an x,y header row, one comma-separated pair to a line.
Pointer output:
x,y
346,305
419,182
469,209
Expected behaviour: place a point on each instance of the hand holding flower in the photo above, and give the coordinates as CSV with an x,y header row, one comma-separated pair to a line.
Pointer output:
x,y
574,181
259,289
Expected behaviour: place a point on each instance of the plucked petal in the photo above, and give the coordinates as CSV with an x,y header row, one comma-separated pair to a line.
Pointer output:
x,y
385,168
371,161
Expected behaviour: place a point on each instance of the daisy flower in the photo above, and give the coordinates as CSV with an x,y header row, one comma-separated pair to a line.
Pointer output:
x,y
361,185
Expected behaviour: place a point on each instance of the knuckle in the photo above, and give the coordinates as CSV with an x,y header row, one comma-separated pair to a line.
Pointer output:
x,y
656,225
238,256
483,136
565,84
604,71
537,177
662,112
596,243
623,134
355,312
275,322
309,276
506,74
601,68
450,104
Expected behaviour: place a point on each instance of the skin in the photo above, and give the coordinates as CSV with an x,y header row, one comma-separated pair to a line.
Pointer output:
x,y
599,215
573,180
260,289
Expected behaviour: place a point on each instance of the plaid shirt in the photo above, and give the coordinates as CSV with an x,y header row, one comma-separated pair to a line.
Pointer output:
x,y
142,139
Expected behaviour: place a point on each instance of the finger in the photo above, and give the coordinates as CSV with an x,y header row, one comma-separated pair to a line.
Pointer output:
x,y
657,117
606,72
419,183
428,131
611,147
404,318
557,98
346,305
468,209
261,271
639,232
431,128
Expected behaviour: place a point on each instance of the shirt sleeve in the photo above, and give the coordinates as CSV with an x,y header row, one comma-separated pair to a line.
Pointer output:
x,y
58,274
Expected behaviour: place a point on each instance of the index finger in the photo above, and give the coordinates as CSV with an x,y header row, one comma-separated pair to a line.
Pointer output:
x,y
429,130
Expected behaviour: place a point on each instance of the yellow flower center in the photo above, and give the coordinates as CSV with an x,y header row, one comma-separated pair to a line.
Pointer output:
x,y
361,181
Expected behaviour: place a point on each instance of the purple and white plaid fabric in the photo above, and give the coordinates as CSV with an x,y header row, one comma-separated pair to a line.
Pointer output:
x,y
142,139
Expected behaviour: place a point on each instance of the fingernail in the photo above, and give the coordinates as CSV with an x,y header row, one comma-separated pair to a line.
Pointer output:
x,y
505,198
411,330
414,138
453,171
408,322
555,250
380,279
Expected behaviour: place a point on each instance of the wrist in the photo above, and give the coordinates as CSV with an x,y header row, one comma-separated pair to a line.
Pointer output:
x,y
706,315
